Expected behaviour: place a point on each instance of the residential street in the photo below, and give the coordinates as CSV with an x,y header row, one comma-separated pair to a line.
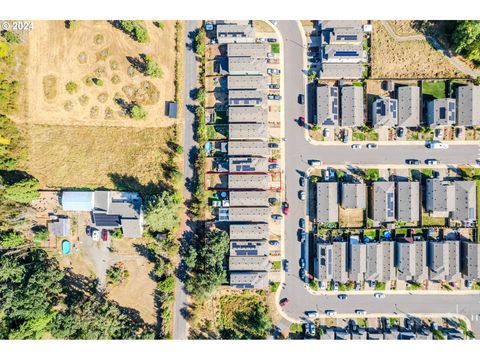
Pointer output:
x,y
180,327
298,151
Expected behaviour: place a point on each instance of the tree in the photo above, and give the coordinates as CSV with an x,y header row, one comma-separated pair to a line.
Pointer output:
x,y
98,82
8,95
152,68
137,112
161,212
11,37
9,144
200,96
11,240
41,234
200,40
116,274
71,87
23,191
135,29
167,285
466,39
312,75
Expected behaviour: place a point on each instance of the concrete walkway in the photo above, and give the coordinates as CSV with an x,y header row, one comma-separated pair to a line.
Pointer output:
x,y
436,45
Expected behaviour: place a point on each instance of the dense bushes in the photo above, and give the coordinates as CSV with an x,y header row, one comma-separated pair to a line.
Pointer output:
x,y
466,39
136,29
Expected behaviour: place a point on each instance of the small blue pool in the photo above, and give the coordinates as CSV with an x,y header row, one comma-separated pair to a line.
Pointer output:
x,y
208,146
66,247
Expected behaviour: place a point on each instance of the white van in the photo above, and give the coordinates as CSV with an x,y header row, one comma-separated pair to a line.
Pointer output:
x,y
311,314
437,145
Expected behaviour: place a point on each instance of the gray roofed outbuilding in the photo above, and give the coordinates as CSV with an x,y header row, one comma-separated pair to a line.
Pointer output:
x,y
248,248
358,261
327,105
246,66
246,214
235,33
248,181
385,112
441,112
408,106
59,226
248,263
256,50
246,98
380,261
444,260
247,164
333,71
470,256
248,148
412,260
247,82
465,201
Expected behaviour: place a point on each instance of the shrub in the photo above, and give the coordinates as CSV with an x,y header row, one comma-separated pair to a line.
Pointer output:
x,y
137,112
23,191
41,234
11,37
117,273
117,233
71,87
135,29
152,68
98,82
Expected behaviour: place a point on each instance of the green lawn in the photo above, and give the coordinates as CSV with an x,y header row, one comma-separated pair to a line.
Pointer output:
x,y
436,89
362,322
380,286
477,172
277,265
296,328
217,132
372,174
427,172
358,136
428,220
370,233
275,48
274,286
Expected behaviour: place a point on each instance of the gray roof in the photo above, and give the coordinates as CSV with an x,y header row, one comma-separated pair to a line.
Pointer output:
x,y
245,214
408,200
470,260
248,231
248,263
380,261
248,148
252,82
408,106
256,50
341,71
331,262
248,198
354,195
385,112
465,201
248,248
342,53
247,114
327,202
358,261
412,260
246,98
248,181
247,164
327,105
440,197
468,105
334,24
384,201
246,66
444,260
352,106
228,33
249,279
248,131
59,226
441,112
342,35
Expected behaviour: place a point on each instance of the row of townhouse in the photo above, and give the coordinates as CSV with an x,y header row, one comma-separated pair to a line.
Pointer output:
x,y
399,201
404,259
246,209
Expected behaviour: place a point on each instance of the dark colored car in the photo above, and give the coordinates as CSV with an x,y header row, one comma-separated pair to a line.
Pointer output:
x,y
412,161
274,86
302,181
283,302
285,208
301,99
273,145
458,132
104,235
400,132
285,265
301,223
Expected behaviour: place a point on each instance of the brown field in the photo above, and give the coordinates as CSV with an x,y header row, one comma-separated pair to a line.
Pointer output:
x,y
351,217
57,55
84,156
409,59
403,27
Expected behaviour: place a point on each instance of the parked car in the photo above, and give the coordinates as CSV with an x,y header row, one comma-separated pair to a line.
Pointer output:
x,y
326,132
371,146
311,314
88,230
357,286
301,99
335,286
273,160
273,200
314,162
343,296
274,97
277,217
274,22
301,121
360,312
431,162
379,295
356,146
302,263
469,284
104,234
283,302
274,86
95,235
302,235
326,174
272,40
309,329
458,132
323,285
436,145
400,132
273,145
302,275
270,96
273,166
412,161
285,265
274,243
262,40
345,136
208,26
301,195
285,208
273,71
439,133
301,181
330,312
301,223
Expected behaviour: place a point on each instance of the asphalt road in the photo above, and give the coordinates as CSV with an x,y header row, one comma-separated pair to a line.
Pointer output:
x,y
297,152
180,326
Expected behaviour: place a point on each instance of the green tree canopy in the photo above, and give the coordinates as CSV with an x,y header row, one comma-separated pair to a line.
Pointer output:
x,y
152,68
137,112
23,191
466,39
161,212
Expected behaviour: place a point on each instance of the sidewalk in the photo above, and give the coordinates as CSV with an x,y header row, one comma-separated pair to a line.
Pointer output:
x,y
393,292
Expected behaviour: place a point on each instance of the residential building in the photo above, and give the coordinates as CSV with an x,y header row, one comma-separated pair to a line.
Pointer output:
x,y
352,114
248,148
247,164
411,260
327,202
408,200
342,53
249,279
255,50
408,106
110,209
246,66
248,198
332,25
248,181
384,112
353,195
470,265
246,98
248,248
358,259
342,35
327,105
440,197
247,82
247,114
235,33
444,260
383,201
248,263
248,231
380,261
441,112
59,225
468,105
248,131
331,262
333,71
465,201
245,214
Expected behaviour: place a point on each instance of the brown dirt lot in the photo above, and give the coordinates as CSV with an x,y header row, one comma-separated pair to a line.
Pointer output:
x,y
85,156
351,217
409,59
403,27
57,55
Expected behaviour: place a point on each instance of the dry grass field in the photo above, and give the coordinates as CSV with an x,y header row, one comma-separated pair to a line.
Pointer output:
x,y
95,49
353,218
409,59
403,27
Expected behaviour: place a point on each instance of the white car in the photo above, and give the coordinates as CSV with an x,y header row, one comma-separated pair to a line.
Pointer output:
x,y
379,295
95,235
356,146
311,314
330,312
361,312
437,145
431,162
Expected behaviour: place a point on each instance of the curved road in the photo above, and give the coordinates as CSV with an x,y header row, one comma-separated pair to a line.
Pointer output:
x,y
298,151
